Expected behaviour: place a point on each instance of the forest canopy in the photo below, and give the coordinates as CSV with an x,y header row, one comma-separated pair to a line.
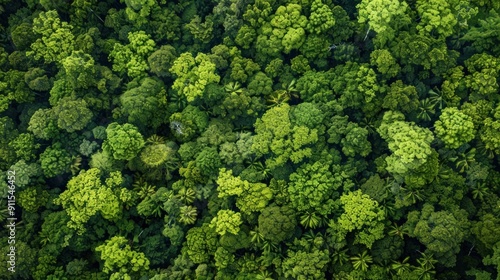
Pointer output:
x,y
250,139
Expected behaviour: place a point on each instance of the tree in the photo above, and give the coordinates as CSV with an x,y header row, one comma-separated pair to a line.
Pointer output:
x,y
384,17
321,18
156,154
356,141
144,103
362,215
23,36
43,124
37,80
401,97
201,243
483,69
441,232
357,86
105,162
484,35
306,114
132,58
490,131
251,197
72,115
79,70
312,188
119,256
139,10
421,50
123,142
208,161
25,261
228,13
260,85
27,173
437,16
14,89
242,105
385,63
237,152
284,32
223,258
86,195
280,139
25,146
409,143
193,74
55,160
315,86
187,124
276,223
201,32
487,230
161,60
306,263
55,232
31,199
57,40
494,258
241,67
226,221
218,132
454,127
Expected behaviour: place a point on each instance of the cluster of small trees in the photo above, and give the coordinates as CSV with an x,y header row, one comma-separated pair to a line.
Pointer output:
x,y
251,139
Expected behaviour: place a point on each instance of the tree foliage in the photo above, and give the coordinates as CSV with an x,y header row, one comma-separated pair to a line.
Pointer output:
x,y
250,139
123,142
87,195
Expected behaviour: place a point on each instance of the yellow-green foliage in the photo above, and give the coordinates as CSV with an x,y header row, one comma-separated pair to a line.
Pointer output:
x,y
454,128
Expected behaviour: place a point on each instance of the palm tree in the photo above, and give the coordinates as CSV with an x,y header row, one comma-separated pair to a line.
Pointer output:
x,y
412,194
388,207
186,195
486,152
479,190
256,237
259,166
44,238
276,98
398,230
401,267
178,99
426,268
264,275
143,189
75,165
4,212
233,88
280,96
425,273
426,108
465,160
369,124
187,215
310,220
426,260
340,257
436,98
361,261
155,140
269,246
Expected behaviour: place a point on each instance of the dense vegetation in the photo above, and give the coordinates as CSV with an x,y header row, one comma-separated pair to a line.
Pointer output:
x,y
251,139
